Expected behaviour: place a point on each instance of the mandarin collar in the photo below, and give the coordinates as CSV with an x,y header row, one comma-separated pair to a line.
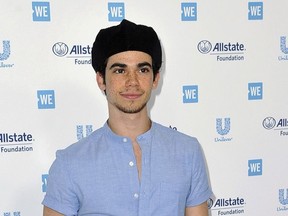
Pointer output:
x,y
116,137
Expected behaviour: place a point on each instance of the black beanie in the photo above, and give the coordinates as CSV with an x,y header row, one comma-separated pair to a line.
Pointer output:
x,y
126,36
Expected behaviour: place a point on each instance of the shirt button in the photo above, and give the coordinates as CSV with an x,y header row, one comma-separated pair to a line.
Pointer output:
x,y
131,163
125,140
136,195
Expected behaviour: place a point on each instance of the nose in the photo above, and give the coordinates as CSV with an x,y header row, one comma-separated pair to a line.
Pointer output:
x,y
132,79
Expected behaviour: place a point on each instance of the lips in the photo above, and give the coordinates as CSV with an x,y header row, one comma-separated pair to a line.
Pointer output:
x,y
131,96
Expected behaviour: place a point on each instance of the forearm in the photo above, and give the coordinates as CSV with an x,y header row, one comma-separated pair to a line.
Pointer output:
x,y
50,212
199,210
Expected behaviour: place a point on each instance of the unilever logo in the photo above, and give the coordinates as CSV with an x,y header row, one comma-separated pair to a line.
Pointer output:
x,y
6,51
283,200
283,48
223,51
223,129
4,55
83,132
80,53
280,125
219,126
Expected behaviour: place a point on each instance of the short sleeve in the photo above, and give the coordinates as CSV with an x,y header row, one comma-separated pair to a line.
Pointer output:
x,y
60,195
200,190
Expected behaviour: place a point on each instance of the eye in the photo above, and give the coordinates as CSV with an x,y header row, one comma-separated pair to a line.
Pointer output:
x,y
145,70
119,71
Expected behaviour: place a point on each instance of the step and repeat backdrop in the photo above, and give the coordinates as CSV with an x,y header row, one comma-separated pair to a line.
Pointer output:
x,y
224,80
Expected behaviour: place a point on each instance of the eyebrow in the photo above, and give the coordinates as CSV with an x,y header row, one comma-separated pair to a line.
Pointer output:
x,y
118,65
139,65
143,64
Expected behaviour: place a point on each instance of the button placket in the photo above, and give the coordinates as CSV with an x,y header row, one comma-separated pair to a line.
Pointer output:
x,y
132,170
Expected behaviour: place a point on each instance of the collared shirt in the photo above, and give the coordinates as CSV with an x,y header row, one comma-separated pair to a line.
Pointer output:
x,y
98,175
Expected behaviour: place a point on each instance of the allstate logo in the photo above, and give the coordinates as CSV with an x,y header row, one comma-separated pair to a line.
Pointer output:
x,y
6,51
210,203
228,206
269,123
219,126
60,49
204,46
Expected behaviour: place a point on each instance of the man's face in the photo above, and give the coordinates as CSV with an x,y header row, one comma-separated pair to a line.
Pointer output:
x,y
128,81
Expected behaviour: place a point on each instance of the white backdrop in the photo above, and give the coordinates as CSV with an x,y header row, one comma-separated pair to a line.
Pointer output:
x,y
224,80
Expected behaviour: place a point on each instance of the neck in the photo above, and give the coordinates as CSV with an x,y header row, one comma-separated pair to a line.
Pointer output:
x,y
129,125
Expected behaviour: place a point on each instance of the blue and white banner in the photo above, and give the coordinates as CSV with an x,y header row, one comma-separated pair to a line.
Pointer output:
x,y
224,81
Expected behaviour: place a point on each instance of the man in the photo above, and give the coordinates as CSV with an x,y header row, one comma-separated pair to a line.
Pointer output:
x,y
131,166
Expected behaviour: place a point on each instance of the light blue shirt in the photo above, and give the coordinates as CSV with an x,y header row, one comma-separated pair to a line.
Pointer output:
x,y
98,175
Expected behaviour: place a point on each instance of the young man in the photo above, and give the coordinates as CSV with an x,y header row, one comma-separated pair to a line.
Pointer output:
x,y
131,166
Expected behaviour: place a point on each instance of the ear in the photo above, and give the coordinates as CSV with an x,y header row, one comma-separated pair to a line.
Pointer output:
x,y
156,80
100,81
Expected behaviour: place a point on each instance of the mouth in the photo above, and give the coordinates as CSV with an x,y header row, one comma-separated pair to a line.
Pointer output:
x,y
131,96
